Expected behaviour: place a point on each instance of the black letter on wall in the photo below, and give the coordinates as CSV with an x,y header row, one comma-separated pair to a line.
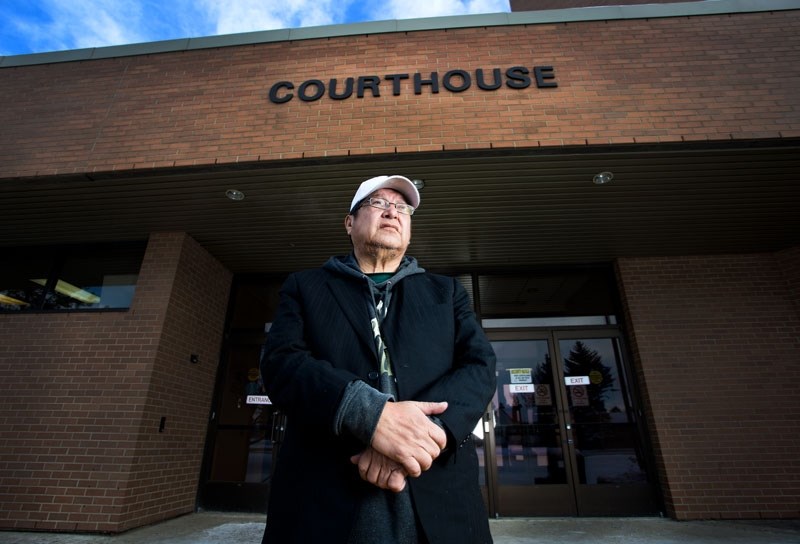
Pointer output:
x,y
542,73
368,82
483,85
301,92
518,77
465,84
395,79
348,89
433,82
273,92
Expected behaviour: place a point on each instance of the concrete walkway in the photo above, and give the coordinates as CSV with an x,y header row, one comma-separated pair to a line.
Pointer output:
x,y
232,528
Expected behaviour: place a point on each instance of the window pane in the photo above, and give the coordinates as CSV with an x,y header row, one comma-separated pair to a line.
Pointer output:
x,y
256,304
242,378
96,279
242,455
527,432
576,321
569,293
18,288
604,428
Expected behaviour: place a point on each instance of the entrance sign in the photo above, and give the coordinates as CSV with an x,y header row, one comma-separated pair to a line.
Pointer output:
x,y
455,81
258,399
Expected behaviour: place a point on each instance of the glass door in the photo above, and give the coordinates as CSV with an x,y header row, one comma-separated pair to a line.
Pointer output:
x,y
244,429
240,463
604,438
560,437
531,473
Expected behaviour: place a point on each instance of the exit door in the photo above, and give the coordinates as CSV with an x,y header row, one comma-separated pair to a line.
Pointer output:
x,y
562,436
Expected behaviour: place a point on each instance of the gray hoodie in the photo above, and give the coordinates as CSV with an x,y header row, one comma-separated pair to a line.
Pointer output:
x,y
383,516
362,404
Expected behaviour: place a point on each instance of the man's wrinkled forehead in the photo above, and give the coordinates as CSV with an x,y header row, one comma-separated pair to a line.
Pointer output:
x,y
389,194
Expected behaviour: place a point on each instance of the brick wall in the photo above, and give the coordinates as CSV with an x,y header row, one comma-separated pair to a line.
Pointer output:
x,y
82,394
715,77
789,261
716,342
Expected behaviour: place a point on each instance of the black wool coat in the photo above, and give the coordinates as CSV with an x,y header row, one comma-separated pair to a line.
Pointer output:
x,y
321,341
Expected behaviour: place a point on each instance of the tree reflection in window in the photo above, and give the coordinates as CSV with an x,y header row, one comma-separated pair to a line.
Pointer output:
x,y
583,361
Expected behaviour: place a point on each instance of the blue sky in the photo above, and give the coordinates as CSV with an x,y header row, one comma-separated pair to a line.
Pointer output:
x,y
36,26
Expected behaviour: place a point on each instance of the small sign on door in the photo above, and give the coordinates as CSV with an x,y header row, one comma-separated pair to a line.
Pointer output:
x,y
543,397
579,395
577,380
258,399
520,375
521,388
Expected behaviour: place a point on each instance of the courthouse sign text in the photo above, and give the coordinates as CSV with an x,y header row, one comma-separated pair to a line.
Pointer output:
x,y
455,81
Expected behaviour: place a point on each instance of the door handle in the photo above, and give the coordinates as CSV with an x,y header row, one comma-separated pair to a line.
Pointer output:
x,y
278,427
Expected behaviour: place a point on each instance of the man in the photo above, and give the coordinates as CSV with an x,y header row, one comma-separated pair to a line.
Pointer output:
x,y
383,372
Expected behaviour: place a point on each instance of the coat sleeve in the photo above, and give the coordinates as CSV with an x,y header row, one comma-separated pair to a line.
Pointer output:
x,y
309,389
470,383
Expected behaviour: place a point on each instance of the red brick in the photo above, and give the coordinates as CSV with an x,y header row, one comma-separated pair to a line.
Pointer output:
x,y
648,80
719,379
83,451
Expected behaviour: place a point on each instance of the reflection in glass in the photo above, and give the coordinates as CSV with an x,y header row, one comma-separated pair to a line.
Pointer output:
x,y
479,440
246,431
94,280
243,379
259,458
528,441
17,292
242,455
243,448
70,278
547,294
603,428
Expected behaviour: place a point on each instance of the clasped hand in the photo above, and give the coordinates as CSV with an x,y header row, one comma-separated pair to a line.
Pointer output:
x,y
405,443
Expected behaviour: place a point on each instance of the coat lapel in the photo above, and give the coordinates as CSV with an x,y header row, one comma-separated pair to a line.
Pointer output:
x,y
352,300
411,301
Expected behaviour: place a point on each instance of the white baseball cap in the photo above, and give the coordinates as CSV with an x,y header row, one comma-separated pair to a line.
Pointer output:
x,y
400,184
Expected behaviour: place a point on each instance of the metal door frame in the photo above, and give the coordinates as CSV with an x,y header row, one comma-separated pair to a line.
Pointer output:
x,y
600,500
549,500
576,499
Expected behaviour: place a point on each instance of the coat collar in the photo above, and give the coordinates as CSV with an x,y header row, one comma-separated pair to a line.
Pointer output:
x,y
352,298
350,289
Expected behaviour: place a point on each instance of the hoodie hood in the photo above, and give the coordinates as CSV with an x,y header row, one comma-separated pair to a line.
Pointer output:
x,y
347,265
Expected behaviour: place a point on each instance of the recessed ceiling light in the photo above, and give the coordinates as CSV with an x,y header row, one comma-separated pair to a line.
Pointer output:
x,y
234,194
418,183
602,178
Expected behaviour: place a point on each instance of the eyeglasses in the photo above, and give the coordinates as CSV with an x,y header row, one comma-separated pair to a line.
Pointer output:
x,y
383,204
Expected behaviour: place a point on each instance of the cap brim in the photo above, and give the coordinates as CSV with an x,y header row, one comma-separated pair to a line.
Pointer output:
x,y
401,184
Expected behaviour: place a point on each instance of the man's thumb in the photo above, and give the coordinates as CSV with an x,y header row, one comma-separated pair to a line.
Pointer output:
x,y
432,408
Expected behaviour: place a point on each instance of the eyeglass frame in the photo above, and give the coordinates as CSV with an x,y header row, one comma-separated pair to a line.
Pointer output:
x,y
369,201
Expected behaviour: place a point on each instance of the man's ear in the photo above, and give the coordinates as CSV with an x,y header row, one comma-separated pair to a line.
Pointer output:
x,y
348,223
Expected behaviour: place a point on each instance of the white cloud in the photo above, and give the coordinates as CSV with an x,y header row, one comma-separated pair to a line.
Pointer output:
x,y
411,9
232,16
91,23
54,25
